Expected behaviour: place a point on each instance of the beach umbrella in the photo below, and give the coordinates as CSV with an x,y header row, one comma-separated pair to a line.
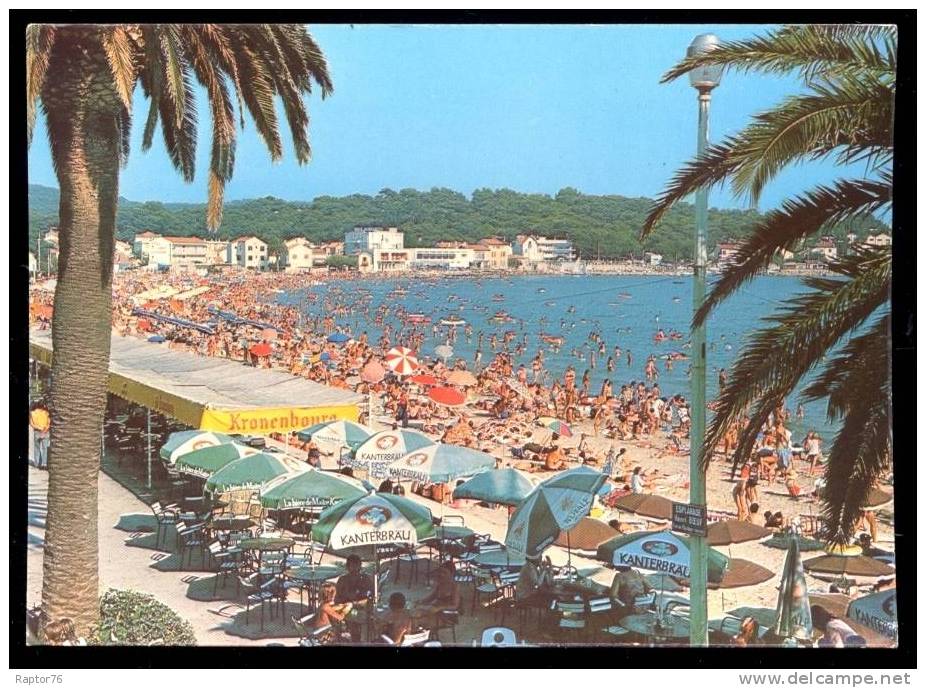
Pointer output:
x,y
424,379
156,339
742,573
260,350
251,472
732,532
556,425
507,486
440,463
382,448
662,551
804,544
556,504
793,612
373,519
462,378
520,389
444,351
204,462
312,488
587,535
646,505
331,435
180,443
877,499
877,611
834,565
401,360
447,396
373,373
268,334
338,338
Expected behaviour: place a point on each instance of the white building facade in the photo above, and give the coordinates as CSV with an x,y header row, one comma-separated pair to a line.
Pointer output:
x,y
249,252
368,239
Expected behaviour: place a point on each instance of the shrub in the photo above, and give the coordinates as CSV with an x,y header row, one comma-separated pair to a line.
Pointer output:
x,y
133,618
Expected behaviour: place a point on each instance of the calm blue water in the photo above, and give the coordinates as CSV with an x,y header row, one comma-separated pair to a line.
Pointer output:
x,y
627,310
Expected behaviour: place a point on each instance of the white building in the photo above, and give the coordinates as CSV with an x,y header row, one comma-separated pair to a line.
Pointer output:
x,y
123,251
298,254
217,252
442,258
882,239
525,247
537,248
180,253
726,252
651,258
825,248
368,239
142,241
249,252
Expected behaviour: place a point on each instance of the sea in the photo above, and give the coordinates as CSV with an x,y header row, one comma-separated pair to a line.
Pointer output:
x,y
627,311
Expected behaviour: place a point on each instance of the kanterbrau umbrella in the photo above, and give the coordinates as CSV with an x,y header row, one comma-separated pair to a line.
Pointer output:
x,y
401,360
312,488
440,463
204,462
373,519
332,435
180,443
447,396
662,551
507,486
556,504
251,472
382,448
877,611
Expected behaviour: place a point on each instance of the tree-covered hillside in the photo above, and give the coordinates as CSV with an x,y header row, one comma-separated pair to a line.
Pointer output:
x,y
599,225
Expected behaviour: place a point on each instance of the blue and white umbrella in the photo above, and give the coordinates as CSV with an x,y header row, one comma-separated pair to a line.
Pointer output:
x,y
877,611
339,338
507,486
555,505
382,448
440,463
332,435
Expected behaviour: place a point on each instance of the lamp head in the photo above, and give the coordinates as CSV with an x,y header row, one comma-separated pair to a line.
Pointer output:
x,y
707,77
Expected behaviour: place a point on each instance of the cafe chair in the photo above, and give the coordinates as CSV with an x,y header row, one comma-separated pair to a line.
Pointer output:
x,y
165,516
260,594
452,520
644,602
572,617
226,563
410,639
485,584
189,538
498,636
449,619
309,636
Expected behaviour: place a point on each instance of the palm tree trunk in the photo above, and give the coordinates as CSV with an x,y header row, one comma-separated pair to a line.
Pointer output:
x,y
83,111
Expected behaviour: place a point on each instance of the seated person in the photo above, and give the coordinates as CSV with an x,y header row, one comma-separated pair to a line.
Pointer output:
x,y
329,613
356,588
836,632
446,592
396,621
554,459
754,517
628,584
774,521
534,581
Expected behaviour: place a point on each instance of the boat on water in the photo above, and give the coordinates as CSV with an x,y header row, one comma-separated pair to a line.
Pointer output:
x,y
541,290
498,297
418,318
624,295
552,339
452,321
501,317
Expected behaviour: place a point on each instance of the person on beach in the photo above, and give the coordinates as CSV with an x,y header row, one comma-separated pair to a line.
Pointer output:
x,y
637,481
355,588
446,593
396,621
40,422
554,459
330,613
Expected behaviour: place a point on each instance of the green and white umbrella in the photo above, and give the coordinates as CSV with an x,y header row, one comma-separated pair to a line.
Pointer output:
x,y
204,462
180,443
555,505
251,472
333,435
373,519
387,446
312,488
440,463
793,613
662,551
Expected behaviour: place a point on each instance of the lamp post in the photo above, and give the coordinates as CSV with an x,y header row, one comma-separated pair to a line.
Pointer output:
x,y
704,79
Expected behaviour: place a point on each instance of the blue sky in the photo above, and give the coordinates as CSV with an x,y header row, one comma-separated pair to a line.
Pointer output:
x,y
531,108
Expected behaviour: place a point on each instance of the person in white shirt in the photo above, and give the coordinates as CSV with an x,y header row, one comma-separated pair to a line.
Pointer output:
x,y
636,481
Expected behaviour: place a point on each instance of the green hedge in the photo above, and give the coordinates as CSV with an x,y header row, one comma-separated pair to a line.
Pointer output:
x,y
133,618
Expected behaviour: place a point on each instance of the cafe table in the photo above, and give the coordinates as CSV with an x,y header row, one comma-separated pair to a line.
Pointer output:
x,y
649,624
310,578
499,558
444,536
265,544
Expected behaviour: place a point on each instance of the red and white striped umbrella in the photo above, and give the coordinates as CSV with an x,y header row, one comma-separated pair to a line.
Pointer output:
x,y
401,360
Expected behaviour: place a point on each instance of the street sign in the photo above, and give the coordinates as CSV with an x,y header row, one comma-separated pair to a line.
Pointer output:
x,y
689,518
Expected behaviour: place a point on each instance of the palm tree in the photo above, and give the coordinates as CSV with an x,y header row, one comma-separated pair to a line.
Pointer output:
x,y
85,78
846,115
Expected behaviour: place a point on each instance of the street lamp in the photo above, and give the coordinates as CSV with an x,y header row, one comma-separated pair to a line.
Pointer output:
x,y
704,79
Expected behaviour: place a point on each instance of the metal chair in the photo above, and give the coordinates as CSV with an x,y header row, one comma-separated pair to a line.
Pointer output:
x,y
453,519
165,516
308,635
189,538
227,562
485,583
261,594
410,639
572,617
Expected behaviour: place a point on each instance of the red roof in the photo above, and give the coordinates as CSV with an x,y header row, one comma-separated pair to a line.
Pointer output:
x,y
185,240
147,234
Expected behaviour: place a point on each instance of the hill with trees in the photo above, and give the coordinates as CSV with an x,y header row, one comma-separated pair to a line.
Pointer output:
x,y
606,226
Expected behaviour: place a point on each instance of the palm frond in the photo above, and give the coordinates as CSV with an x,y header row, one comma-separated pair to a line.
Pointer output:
x,y
119,49
797,219
174,67
776,358
810,50
216,44
259,95
39,41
